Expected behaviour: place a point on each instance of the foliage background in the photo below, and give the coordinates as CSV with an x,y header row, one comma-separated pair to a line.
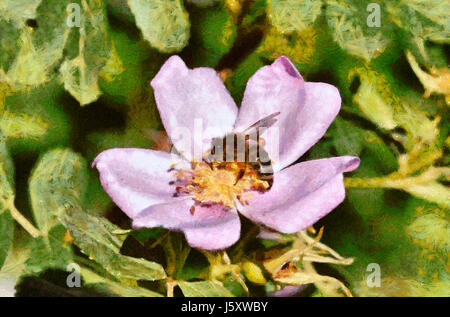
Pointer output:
x,y
68,93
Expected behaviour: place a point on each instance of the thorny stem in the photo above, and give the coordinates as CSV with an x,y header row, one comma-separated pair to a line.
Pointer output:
x,y
170,286
28,226
395,180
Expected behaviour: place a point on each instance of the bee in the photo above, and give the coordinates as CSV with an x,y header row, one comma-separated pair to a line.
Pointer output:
x,y
245,147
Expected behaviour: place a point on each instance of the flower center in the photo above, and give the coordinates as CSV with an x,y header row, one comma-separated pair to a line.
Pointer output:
x,y
222,183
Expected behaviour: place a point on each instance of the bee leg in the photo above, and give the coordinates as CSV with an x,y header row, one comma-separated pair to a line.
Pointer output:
x,y
208,161
240,175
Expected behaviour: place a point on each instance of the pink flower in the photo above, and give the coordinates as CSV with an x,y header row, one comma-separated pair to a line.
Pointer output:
x,y
199,200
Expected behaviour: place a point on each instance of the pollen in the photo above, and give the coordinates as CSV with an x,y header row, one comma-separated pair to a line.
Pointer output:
x,y
222,183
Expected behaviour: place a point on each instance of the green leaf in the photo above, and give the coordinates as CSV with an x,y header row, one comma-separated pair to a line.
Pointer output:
x,y
34,120
81,74
51,251
176,252
6,199
18,11
7,196
164,23
131,82
9,44
288,16
373,106
214,32
6,235
95,237
87,228
384,101
310,49
60,178
51,18
126,267
105,285
348,23
22,125
204,289
431,230
14,265
33,65
40,50
422,19
7,191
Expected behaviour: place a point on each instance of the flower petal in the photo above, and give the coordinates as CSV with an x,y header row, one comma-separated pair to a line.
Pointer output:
x,y
209,228
187,98
136,178
306,110
301,194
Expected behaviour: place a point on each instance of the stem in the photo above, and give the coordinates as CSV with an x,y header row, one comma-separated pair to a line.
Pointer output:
x,y
28,226
170,286
158,241
395,180
211,257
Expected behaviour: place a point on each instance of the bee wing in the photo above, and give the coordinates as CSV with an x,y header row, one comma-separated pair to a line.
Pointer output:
x,y
265,122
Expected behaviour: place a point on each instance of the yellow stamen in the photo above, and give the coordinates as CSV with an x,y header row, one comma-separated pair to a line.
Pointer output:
x,y
222,183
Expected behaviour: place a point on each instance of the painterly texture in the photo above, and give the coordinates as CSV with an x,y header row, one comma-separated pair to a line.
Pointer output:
x,y
75,90
300,195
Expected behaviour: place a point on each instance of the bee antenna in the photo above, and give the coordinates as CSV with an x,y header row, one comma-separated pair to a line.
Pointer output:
x,y
265,122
